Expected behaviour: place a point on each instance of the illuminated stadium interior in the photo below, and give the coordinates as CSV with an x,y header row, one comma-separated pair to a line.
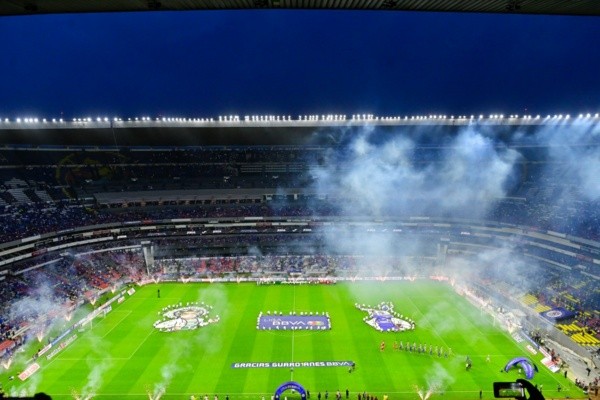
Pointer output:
x,y
231,254
502,209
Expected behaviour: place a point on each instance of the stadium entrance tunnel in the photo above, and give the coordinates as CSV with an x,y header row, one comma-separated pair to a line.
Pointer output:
x,y
291,385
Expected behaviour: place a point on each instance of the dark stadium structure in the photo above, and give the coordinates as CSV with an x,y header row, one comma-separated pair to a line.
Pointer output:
x,y
552,7
101,201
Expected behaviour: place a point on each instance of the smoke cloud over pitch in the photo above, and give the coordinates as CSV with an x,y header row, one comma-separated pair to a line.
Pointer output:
x,y
397,176
573,153
461,173
42,301
385,176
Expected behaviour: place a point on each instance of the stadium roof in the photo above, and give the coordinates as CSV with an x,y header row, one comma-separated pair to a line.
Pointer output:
x,y
555,7
249,130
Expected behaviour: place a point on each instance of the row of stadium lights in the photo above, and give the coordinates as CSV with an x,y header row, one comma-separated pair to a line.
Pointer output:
x,y
301,118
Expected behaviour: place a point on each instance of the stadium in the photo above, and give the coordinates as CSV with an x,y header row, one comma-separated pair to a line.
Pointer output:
x,y
307,256
298,256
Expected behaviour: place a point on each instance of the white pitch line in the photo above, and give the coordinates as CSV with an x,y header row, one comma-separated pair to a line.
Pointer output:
x,y
246,395
293,346
294,303
118,323
141,343
430,324
95,359
293,334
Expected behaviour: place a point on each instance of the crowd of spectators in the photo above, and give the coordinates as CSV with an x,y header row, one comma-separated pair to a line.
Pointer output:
x,y
46,288
550,288
589,387
24,220
91,170
259,266
70,177
34,219
538,200
290,266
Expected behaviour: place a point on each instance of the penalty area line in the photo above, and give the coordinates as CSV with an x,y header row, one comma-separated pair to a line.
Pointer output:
x,y
95,359
118,323
141,343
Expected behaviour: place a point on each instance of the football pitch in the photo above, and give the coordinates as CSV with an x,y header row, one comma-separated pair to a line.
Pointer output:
x,y
122,355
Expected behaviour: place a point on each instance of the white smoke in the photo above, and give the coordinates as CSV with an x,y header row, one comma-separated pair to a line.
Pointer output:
x,y
254,251
216,296
436,319
439,378
383,175
386,178
462,173
177,362
98,362
42,301
35,308
167,373
574,152
438,381
29,388
95,378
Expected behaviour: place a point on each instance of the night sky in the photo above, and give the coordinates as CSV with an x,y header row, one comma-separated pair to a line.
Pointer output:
x,y
211,63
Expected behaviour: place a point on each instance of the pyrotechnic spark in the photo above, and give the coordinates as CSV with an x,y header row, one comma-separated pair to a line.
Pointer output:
x,y
6,364
419,392
155,394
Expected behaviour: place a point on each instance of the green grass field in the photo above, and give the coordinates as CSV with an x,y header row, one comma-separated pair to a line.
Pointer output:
x,y
123,356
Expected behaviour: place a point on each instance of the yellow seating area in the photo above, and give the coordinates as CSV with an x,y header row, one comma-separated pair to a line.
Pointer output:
x,y
569,297
578,335
574,331
580,285
540,308
568,328
529,299
533,302
585,339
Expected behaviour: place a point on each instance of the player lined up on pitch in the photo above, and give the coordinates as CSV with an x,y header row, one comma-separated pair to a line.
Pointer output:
x,y
419,348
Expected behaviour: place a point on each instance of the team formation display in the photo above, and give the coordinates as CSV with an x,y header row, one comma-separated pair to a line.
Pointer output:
x,y
228,341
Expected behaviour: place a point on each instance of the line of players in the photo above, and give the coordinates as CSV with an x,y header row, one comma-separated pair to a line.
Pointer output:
x,y
419,348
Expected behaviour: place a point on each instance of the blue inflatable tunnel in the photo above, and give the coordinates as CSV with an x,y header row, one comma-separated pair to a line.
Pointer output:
x,y
528,366
291,385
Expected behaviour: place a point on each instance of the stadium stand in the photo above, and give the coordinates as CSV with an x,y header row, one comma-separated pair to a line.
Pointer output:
x,y
62,196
